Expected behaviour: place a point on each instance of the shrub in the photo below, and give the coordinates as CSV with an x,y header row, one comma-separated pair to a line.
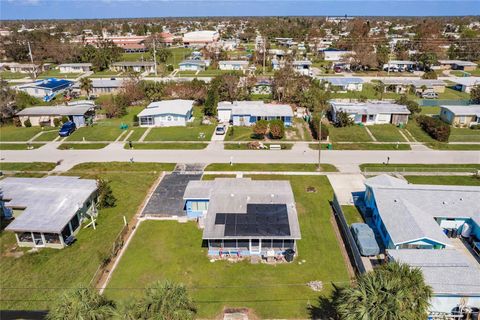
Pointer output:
x,y
411,105
65,119
277,129
260,128
430,75
343,120
314,124
56,122
106,199
436,128
17,122
27,123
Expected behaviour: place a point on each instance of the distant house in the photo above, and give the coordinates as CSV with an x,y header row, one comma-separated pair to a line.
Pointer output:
x,y
400,64
192,65
344,84
458,65
100,86
46,89
166,113
28,68
402,86
246,113
454,279
200,38
466,84
335,55
135,66
262,86
244,217
233,65
461,115
47,211
302,67
75,67
369,113
80,112
275,64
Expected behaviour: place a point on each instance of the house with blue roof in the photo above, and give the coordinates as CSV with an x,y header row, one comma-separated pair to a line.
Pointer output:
x,y
46,89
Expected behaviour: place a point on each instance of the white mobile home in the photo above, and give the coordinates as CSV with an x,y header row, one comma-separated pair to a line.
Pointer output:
x,y
369,113
233,65
461,115
246,113
75,67
166,113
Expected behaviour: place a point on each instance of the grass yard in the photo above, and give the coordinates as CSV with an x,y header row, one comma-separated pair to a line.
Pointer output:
x,y
352,215
302,167
244,146
452,94
239,133
368,92
48,135
188,133
167,146
82,146
417,132
39,278
12,133
363,146
445,180
19,146
105,74
170,250
430,110
464,135
137,133
386,133
7,75
27,166
449,146
178,55
379,167
55,73
137,56
349,134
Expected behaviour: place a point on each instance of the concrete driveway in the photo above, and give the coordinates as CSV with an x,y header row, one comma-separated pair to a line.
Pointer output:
x,y
344,184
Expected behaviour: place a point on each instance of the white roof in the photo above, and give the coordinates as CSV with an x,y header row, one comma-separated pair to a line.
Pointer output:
x,y
200,36
473,109
401,62
342,81
243,62
50,202
415,82
72,110
467,81
302,63
256,108
178,106
372,107
458,62
75,65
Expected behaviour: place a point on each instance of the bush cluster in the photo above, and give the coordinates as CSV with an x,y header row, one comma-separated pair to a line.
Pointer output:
x,y
436,128
314,124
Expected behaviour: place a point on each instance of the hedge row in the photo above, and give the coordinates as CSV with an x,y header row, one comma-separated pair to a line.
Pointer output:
x,y
436,128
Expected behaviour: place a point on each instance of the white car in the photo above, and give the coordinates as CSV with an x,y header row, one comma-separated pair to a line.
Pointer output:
x,y
220,129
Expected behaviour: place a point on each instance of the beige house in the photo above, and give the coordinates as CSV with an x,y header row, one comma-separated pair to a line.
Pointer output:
x,y
402,86
79,112
464,116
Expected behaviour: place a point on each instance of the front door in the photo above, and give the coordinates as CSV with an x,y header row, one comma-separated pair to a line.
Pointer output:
x,y
37,239
364,118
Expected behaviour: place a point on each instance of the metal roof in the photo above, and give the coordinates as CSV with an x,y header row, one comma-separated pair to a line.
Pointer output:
x,y
467,81
49,202
401,62
98,83
51,83
134,64
415,82
458,62
256,108
408,211
75,65
72,110
447,271
178,106
302,63
473,109
372,107
341,81
233,195
243,62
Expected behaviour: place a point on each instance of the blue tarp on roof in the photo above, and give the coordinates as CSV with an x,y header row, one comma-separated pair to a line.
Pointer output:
x,y
54,84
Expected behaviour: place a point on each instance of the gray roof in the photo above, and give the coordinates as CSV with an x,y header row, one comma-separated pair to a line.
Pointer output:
x,y
242,62
302,63
447,271
194,62
231,195
470,110
458,62
72,110
75,65
467,81
401,62
429,83
408,211
178,106
372,107
50,202
98,83
341,81
256,108
134,64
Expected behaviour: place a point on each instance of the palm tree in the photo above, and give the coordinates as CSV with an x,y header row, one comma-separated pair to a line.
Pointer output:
x,y
82,303
162,300
379,89
86,85
392,291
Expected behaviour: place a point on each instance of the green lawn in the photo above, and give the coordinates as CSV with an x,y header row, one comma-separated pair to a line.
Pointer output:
x,y
55,73
39,278
368,92
363,146
178,55
349,134
460,73
12,133
188,133
186,73
379,167
170,250
452,94
445,180
137,56
352,215
137,133
167,146
302,167
417,132
7,75
244,146
19,146
105,74
386,133
27,166
464,135
430,110
239,133
449,146
48,135
82,146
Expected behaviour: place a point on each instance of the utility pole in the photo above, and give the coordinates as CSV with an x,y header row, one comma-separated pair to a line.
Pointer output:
x,y
155,56
31,59
320,141
264,54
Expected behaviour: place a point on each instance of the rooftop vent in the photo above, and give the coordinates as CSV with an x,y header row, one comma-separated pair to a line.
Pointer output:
x,y
232,195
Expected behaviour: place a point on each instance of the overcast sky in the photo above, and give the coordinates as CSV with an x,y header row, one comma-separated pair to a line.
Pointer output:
x,y
71,9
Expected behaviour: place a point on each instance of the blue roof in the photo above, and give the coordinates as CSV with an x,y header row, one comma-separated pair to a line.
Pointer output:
x,y
54,83
339,81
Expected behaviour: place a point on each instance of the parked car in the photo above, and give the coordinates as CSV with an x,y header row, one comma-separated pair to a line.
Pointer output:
x,y
365,239
430,95
67,129
220,129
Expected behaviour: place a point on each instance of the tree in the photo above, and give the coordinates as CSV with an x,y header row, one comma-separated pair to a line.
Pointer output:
x,y
392,291
162,300
260,128
429,75
86,85
83,303
211,102
315,127
342,119
106,199
27,123
379,89
411,105
153,90
277,129
163,54
475,94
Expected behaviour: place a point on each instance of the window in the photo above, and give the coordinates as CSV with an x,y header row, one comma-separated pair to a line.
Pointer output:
x,y
242,243
371,117
52,238
288,244
24,236
146,121
215,243
74,222
169,118
175,118
278,243
229,243
199,206
266,243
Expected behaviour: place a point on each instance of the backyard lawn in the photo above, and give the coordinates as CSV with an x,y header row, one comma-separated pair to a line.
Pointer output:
x,y
445,180
367,92
303,167
136,56
12,133
178,55
170,250
452,94
386,133
34,280
349,134
188,133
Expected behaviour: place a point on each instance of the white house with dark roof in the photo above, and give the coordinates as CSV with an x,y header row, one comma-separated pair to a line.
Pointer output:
x,y
244,217
372,112
246,113
461,115
47,211
166,113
